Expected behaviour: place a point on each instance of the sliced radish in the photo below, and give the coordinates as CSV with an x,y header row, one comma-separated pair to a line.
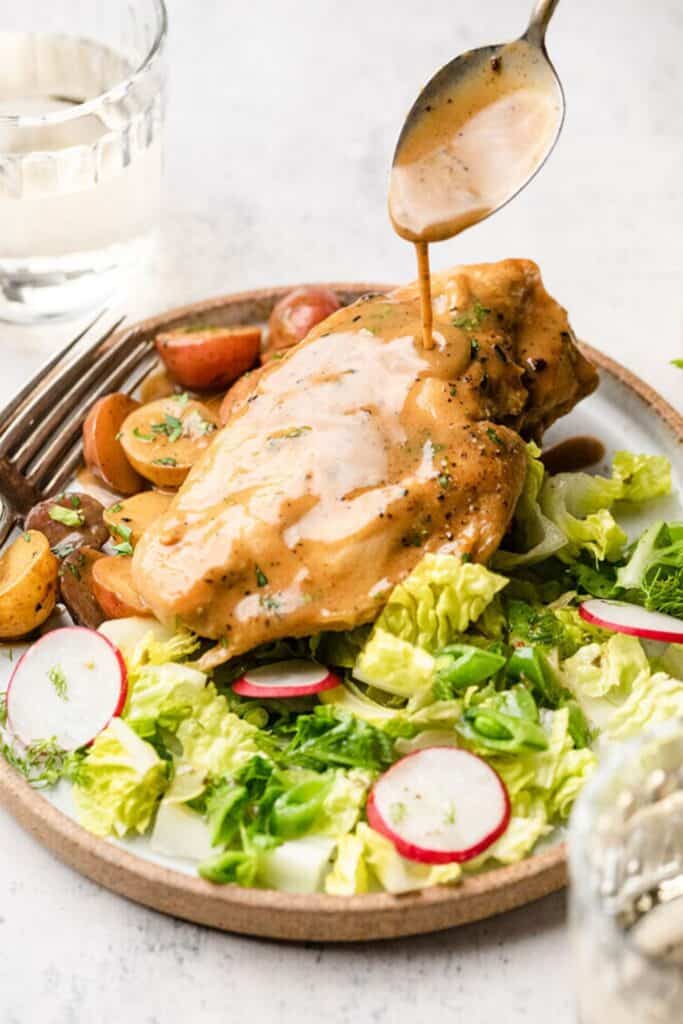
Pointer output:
x,y
295,678
620,617
67,686
440,805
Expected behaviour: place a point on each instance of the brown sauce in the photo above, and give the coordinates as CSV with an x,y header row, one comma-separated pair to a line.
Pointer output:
x,y
424,281
573,454
470,148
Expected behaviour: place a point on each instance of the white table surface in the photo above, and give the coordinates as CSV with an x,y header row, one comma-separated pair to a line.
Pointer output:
x,y
282,119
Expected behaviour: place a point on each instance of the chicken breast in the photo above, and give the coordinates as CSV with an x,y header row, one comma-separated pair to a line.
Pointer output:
x,y
358,452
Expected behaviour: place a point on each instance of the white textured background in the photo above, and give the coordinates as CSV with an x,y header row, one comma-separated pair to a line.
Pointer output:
x,y
282,119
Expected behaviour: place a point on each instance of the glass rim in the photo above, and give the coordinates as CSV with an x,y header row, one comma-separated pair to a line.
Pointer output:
x,y
115,92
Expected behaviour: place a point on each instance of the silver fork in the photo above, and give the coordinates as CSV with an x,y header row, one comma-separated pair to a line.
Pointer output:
x,y
40,429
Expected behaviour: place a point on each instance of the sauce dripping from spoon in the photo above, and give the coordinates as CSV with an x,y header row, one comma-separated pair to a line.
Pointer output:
x,y
476,135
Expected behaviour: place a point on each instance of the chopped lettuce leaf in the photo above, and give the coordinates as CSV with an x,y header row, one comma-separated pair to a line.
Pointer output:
x,y
214,740
119,782
299,865
180,831
395,873
528,824
394,665
643,477
535,536
579,506
349,874
652,701
349,697
431,608
162,694
609,669
342,805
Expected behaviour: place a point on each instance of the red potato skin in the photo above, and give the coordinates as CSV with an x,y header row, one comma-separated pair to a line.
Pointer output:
x,y
102,450
422,854
296,314
209,359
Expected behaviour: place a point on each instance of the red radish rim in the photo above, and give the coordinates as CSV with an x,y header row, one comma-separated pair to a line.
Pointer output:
x,y
664,635
423,854
244,688
72,629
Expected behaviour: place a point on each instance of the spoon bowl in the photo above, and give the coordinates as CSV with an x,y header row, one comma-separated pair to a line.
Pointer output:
x,y
477,134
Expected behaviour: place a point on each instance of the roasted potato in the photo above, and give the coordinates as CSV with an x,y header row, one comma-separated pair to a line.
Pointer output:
x,y
102,449
69,521
209,358
76,587
296,314
164,439
128,519
113,587
28,584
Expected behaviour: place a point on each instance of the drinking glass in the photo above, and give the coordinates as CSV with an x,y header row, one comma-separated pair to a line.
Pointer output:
x,y
626,862
81,111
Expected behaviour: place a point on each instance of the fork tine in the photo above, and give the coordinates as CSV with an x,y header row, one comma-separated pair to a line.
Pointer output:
x,y
69,464
45,369
45,393
47,461
53,417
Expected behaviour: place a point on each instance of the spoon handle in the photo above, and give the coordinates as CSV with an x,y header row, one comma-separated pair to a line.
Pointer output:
x,y
538,23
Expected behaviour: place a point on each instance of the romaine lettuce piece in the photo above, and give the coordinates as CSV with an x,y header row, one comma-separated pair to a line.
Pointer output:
x,y
214,740
162,694
431,608
395,873
652,701
119,782
535,536
349,874
578,504
642,477
528,823
180,831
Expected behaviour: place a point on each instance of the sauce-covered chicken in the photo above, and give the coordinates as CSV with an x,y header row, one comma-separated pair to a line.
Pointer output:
x,y
359,451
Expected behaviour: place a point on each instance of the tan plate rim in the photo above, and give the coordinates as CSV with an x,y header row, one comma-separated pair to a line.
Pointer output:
x,y
318,917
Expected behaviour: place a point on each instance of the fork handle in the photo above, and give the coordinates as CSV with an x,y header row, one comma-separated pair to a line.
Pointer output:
x,y
17,496
540,18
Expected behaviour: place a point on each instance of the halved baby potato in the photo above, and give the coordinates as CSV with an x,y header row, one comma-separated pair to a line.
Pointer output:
x,y
128,519
102,449
163,440
28,584
210,357
114,589
76,586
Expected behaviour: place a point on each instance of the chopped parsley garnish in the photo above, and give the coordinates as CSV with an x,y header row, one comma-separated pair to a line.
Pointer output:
x,y
472,318
452,391
125,533
66,516
117,507
466,558
171,426
27,537
261,578
269,602
75,566
474,348
58,680
167,461
444,481
124,548
42,763
182,399
121,530
147,438
493,436
75,501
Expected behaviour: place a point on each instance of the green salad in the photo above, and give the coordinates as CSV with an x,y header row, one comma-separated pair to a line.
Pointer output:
x,y
494,660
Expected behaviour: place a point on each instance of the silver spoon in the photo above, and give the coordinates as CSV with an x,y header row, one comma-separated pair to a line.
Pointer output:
x,y
434,194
